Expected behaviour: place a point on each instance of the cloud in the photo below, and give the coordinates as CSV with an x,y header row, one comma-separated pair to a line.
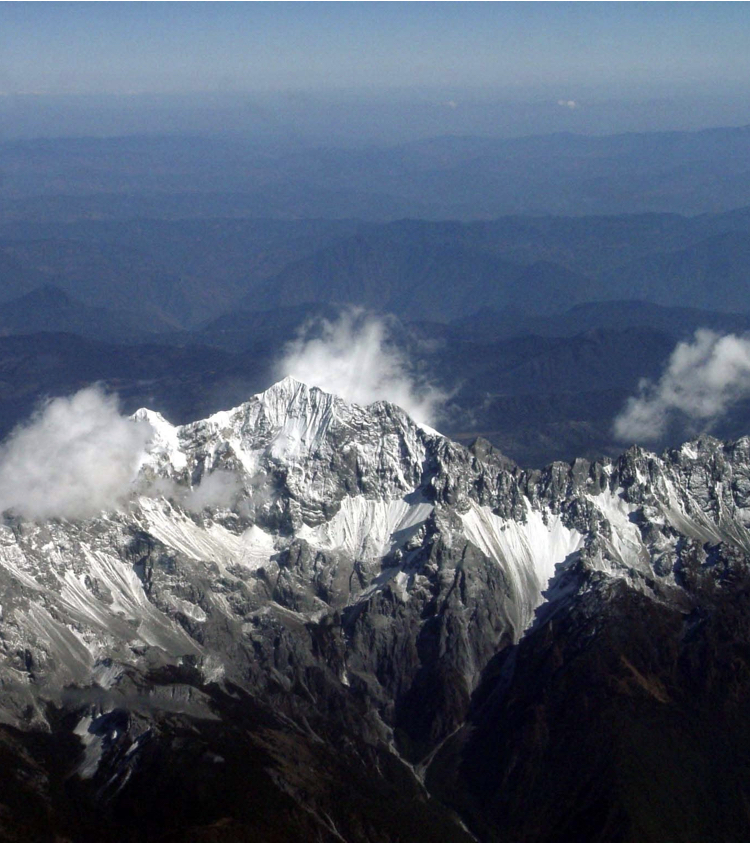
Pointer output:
x,y
217,490
567,103
700,382
355,358
75,457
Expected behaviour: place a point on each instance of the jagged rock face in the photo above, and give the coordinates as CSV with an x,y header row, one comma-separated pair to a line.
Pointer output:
x,y
301,585
299,452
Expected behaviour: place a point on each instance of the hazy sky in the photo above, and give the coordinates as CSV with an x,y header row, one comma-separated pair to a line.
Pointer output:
x,y
180,47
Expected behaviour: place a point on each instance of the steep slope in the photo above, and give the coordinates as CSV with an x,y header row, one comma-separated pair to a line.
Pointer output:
x,y
307,611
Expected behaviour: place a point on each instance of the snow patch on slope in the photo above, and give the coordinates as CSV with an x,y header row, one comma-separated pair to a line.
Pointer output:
x,y
210,542
527,552
625,539
92,745
366,528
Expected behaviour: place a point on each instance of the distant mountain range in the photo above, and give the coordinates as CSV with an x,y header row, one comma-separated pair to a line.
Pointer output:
x,y
49,308
487,325
448,270
441,178
183,274
168,266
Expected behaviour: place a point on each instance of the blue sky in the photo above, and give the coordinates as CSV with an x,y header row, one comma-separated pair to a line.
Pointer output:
x,y
524,47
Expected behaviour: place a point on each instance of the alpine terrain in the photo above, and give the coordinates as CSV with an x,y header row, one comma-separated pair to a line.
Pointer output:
x,y
319,621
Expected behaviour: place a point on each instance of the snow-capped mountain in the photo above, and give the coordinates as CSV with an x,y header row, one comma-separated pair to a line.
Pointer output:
x,y
327,600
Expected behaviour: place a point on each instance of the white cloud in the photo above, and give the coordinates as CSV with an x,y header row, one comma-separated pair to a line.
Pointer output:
x,y
567,103
217,490
75,457
701,381
355,358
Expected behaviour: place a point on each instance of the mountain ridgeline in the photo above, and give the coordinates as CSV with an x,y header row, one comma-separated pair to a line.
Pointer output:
x,y
181,274
311,620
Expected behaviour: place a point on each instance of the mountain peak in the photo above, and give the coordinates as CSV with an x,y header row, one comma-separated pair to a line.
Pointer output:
x,y
287,383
